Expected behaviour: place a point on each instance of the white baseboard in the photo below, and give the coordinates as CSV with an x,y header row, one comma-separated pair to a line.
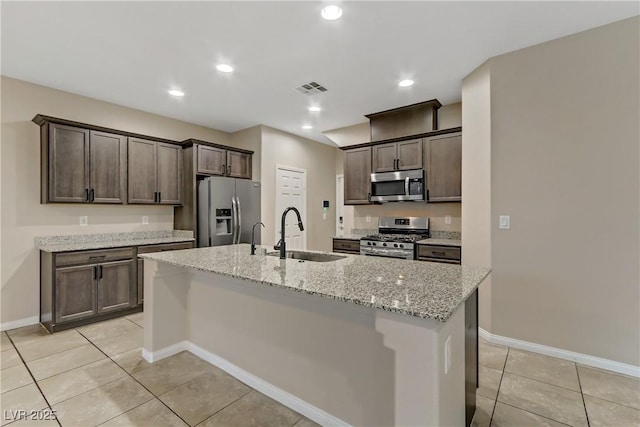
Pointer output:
x,y
583,359
287,399
6,326
164,352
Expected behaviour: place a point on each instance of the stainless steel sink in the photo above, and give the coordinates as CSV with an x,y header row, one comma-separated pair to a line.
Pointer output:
x,y
309,256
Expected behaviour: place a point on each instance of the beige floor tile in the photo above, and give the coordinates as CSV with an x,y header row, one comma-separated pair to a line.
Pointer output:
x,y
166,374
5,343
37,422
9,358
306,422
204,395
508,416
489,382
254,409
543,368
39,346
153,413
64,361
131,361
108,329
101,404
27,398
484,410
492,356
547,400
137,318
72,383
603,413
15,377
121,343
609,386
28,333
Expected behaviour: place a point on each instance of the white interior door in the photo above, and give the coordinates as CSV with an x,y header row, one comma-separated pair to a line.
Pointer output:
x,y
291,191
340,205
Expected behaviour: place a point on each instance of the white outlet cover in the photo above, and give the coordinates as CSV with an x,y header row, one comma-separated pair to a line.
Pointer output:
x,y
367,218
145,219
447,219
505,222
84,221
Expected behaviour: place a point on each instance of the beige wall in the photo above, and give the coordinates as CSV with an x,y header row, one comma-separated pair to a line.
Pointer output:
x,y
350,135
564,165
476,181
282,148
23,217
450,116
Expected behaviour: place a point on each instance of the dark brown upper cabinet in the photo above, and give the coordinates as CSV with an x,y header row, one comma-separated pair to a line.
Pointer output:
x,y
357,176
402,155
82,166
219,161
443,163
155,172
404,121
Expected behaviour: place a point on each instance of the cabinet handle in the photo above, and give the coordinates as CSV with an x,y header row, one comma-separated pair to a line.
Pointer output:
x,y
397,163
91,195
159,196
95,272
438,253
99,272
155,197
228,169
86,194
97,256
224,168
369,197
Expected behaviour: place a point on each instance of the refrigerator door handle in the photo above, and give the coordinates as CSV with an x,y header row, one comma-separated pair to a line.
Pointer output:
x,y
239,217
210,219
234,220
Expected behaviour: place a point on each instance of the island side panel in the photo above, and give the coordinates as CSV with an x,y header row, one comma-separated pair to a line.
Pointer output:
x,y
326,353
165,310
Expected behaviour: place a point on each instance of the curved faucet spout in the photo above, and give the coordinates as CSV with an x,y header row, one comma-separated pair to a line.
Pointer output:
x,y
253,241
282,245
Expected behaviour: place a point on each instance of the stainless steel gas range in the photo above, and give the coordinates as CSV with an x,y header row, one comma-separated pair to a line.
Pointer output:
x,y
396,237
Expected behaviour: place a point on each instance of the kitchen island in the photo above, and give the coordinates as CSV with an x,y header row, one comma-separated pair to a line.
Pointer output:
x,y
356,341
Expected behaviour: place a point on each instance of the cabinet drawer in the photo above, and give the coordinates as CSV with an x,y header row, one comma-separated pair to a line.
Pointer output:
x,y
439,253
166,247
93,257
346,245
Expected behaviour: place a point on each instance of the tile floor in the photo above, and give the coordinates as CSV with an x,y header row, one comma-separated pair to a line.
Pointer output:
x,y
94,375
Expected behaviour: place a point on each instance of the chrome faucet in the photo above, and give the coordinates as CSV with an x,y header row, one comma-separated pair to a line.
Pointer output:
x,y
282,246
253,240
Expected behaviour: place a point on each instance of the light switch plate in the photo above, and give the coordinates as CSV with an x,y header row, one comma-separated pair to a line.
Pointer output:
x,y
447,219
145,219
505,222
84,221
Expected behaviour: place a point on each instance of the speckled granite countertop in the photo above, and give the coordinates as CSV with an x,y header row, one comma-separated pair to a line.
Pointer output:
x,y
415,288
111,240
442,242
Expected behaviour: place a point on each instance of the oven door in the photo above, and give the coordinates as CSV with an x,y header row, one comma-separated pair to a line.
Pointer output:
x,y
397,186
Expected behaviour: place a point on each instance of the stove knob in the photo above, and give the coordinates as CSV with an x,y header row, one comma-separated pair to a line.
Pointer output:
x,y
369,243
374,243
395,245
401,245
384,244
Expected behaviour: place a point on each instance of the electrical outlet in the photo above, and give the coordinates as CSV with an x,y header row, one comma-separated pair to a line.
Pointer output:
x,y
447,354
505,222
84,221
367,218
447,219
324,215
145,219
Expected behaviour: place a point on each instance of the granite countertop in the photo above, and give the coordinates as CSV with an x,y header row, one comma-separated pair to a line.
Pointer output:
x,y
111,240
421,289
441,242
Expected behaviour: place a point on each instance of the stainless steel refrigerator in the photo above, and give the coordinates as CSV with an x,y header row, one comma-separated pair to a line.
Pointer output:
x,y
227,210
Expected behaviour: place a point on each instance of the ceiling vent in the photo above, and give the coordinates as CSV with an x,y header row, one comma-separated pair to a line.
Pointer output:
x,y
311,88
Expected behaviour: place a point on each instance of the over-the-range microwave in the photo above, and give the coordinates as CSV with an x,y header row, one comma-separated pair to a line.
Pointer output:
x,y
397,186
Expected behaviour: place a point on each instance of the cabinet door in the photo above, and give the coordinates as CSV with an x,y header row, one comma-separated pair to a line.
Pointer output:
x,y
142,171
409,155
357,176
211,160
68,164
384,157
443,163
75,292
170,174
238,165
116,286
107,167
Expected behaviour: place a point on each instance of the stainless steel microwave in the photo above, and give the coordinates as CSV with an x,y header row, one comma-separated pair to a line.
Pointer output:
x,y
397,186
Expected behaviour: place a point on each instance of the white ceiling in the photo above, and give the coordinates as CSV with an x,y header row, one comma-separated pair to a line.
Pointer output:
x,y
131,53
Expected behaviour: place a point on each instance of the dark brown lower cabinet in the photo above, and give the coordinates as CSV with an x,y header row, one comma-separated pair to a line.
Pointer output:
x,y
346,246
471,355
82,287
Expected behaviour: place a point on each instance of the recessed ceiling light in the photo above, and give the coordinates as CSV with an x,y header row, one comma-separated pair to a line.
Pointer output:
x,y
307,127
405,83
331,13
315,109
176,92
225,68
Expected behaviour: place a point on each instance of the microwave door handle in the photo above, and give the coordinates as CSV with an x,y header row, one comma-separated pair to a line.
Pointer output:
x,y
406,186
